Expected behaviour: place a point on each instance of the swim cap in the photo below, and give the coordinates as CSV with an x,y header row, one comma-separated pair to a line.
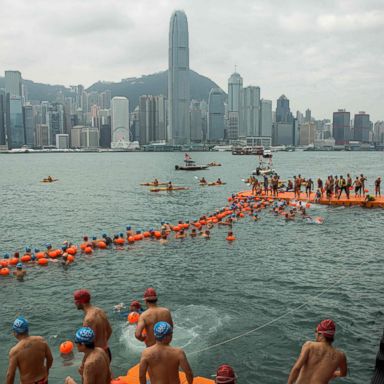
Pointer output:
x,y
64,247
16,254
225,374
162,222
19,265
27,249
135,304
33,257
48,245
128,227
150,294
6,256
151,230
84,335
20,325
94,237
162,329
104,235
82,296
37,250
327,328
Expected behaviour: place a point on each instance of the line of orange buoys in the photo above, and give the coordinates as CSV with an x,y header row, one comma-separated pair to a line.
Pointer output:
x,y
237,208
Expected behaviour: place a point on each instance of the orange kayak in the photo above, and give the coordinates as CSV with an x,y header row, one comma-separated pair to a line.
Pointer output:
x,y
133,378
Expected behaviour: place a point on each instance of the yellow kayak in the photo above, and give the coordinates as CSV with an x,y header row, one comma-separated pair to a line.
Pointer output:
x,y
48,181
133,378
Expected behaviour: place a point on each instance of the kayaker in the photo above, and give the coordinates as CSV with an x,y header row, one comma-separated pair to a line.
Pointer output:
x,y
94,318
150,317
31,355
162,361
203,181
155,182
319,361
95,367
218,181
19,273
170,186
50,179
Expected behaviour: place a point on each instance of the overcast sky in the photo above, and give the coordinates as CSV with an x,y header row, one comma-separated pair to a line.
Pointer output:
x,y
321,54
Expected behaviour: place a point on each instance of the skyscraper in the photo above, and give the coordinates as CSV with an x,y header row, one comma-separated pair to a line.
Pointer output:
x,y
283,112
235,121
341,127
265,118
251,108
178,80
196,122
2,117
29,125
361,127
120,122
13,83
216,110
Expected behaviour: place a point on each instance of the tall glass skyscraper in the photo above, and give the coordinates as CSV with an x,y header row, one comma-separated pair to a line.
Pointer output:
x,y
120,122
235,107
178,80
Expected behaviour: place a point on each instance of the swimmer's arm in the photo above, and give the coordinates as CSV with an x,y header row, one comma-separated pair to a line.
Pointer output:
x,y
184,364
90,373
139,329
343,368
11,368
299,363
143,370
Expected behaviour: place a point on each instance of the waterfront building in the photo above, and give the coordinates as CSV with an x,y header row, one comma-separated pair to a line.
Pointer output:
x,y
2,117
62,141
178,80
41,135
265,118
204,119
251,111
235,107
89,137
308,116
15,123
307,133
196,122
76,136
120,122
216,111
378,132
29,125
283,111
341,127
284,133
13,83
55,121
361,127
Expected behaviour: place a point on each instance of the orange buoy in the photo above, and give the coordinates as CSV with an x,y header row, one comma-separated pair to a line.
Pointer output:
x,y
4,263
88,250
215,220
66,347
176,228
13,261
42,261
157,234
52,254
72,251
203,222
133,318
4,271
101,245
119,241
83,246
39,255
131,239
26,258
231,238
307,205
146,234
138,236
70,259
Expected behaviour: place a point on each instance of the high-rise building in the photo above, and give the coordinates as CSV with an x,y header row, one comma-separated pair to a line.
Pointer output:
x,y
341,127
55,121
378,132
265,118
361,127
308,116
178,80
251,111
62,141
89,137
204,119
13,83
307,133
283,112
29,125
120,122
76,136
41,137
105,99
216,111
15,123
2,117
196,122
235,107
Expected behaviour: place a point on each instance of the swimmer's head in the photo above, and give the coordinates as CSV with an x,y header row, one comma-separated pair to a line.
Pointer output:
x,y
161,330
225,375
6,256
86,337
135,305
85,238
19,266
326,329
81,298
20,326
27,249
48,245
64,247
104,235
37,250
150,295
94,237
128,227
16,254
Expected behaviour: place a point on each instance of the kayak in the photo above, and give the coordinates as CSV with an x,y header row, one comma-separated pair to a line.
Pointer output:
x,y
168,189
48,181
133,378
214,164
215,184
152,184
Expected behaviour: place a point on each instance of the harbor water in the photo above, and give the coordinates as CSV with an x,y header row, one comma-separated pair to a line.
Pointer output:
x,y
215,290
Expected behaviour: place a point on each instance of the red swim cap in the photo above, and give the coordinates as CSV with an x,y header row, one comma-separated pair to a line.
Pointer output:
x,y
82,296
135,304
150,294
225,374
327,328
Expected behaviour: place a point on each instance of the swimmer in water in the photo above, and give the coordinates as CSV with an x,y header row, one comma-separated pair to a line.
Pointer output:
x,y
218,181
107,239
135,306
129,231
162,361
319,361
181,235
193,232
225,375
19,273
206,234
31,355
163,239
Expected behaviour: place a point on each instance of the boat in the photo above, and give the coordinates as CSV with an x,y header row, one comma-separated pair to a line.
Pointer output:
x,y
267,154
166,189
152,184
190,165
132,377
248,150
48,180
215,184
214,164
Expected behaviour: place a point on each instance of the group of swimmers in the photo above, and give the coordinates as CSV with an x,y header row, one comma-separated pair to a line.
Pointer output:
x,y
318,362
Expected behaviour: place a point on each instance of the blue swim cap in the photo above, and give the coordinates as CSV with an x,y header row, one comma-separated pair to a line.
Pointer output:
x,y
84,335
37,250
48,245
94,237
27,249
162,222
6,256
138,231
121,234
33,257
20,326
64,247
162,329
104,235
151,230
128,227
19,265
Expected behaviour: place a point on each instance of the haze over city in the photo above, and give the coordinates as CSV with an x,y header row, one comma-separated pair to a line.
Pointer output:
x,y
321,55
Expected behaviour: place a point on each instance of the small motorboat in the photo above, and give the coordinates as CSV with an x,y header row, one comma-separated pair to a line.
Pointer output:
x,y
190,165
267,154
214,164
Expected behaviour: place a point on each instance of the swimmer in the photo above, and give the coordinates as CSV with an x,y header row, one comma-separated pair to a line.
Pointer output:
x,y
107,239
256,217
377,186
49,178
288,217
95,367
163,239
225,374
206,234
150,317
162,361
193,232
135,306
19,273
49,248
129,231
319,361
94,318
181,235
31,355
209,225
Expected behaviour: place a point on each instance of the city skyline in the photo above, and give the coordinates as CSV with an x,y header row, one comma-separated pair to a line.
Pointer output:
x,y
323,56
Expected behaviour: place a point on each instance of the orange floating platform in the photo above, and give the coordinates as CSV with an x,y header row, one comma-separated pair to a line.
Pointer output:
x,y
133,378
343,201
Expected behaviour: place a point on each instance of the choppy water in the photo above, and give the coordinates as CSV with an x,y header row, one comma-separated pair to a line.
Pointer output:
x,y
215,290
